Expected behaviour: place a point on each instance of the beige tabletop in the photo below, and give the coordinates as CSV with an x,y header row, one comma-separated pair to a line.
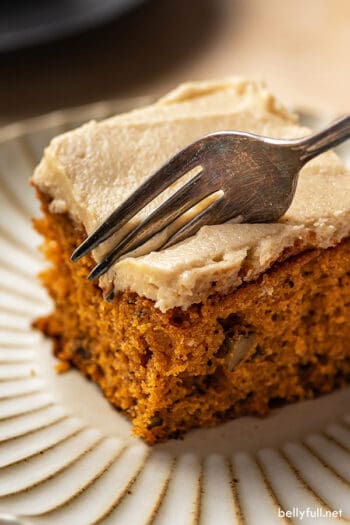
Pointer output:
x,y
301,47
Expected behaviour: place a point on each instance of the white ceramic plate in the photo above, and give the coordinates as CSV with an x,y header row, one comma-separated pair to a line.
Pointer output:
x,y
67,457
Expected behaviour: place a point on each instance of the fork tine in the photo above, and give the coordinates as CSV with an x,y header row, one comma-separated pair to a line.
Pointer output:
x,y
176,167
181,201
206,217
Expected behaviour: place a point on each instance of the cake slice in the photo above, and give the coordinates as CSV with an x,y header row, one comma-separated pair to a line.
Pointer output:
x,y
233,321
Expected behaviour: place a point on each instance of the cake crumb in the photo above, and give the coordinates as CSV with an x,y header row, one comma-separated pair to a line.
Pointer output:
x,y
62,366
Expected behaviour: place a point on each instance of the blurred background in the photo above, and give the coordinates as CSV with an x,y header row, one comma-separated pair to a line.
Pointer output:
x,y
67,52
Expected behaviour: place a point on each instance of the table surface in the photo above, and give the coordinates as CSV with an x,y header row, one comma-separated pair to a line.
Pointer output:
x,y
299,47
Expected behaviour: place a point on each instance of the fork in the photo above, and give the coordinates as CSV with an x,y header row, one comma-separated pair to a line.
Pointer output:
x,y
252,179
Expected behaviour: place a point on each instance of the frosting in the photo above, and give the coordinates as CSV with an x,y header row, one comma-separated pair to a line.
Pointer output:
x,y
88,172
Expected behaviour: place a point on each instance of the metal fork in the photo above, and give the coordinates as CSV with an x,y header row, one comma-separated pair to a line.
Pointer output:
x,y
253,177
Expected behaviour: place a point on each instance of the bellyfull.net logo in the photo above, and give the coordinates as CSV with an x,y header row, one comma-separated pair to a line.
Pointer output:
x,y
316,513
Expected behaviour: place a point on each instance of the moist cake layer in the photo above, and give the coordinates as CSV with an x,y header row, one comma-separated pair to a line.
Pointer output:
x,y
89,171
284,337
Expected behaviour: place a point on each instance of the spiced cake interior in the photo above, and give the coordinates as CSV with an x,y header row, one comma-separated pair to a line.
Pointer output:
x,y
237,319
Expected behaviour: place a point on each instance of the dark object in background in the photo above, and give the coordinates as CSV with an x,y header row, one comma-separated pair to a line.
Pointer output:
x,y
25,23
126,56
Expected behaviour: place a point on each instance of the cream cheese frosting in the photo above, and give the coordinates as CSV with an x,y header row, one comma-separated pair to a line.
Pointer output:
x,y
88,172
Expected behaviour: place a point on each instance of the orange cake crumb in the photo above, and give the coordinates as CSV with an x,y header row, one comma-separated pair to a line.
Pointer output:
x,y
281,338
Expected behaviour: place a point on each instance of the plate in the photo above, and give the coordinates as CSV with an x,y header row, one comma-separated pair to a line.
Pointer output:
x,y
67,456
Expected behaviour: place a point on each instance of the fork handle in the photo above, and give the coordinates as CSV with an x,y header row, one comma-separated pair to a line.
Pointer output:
x,y
323,140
